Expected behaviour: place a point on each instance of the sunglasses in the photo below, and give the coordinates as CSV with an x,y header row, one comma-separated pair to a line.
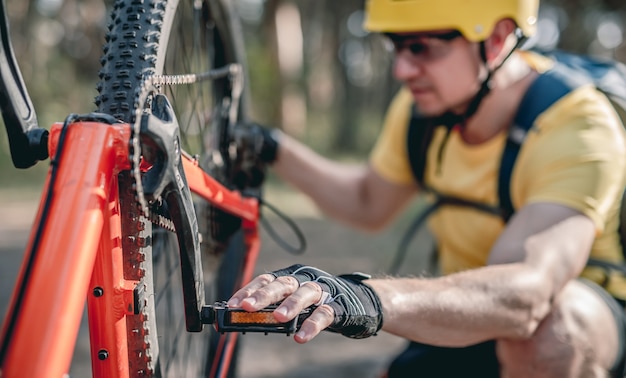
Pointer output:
x,y
423,46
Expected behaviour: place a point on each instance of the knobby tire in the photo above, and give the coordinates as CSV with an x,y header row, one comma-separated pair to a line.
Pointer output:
x,y
152,37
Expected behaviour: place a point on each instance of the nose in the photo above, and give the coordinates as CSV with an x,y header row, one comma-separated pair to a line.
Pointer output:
x,y
405,68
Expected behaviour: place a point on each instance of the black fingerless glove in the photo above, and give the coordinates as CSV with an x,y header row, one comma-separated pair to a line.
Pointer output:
x,y
267,148
358,312
259,140
257,146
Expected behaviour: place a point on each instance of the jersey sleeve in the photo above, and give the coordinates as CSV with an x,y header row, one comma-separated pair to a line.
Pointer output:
x,y
576,157
389,158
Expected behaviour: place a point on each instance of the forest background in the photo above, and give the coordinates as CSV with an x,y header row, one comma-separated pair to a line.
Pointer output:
x,y
313,71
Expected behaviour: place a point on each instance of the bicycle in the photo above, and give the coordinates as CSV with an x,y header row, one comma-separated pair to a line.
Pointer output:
x,y
117,220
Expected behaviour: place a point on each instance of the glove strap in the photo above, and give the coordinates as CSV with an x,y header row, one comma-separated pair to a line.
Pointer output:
x,y
269,149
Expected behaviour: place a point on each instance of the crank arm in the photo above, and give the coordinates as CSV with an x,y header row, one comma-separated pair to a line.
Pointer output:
x,y
165,180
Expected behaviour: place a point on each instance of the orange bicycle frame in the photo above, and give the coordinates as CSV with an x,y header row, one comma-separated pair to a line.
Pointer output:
x,y
75,252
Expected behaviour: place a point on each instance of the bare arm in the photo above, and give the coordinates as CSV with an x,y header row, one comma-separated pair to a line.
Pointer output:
x,y
355,194
544,247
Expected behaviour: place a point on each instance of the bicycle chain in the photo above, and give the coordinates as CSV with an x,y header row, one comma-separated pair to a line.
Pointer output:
x,y
152,85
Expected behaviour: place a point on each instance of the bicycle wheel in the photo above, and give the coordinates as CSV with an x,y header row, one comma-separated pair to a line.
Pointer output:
x,y
152,37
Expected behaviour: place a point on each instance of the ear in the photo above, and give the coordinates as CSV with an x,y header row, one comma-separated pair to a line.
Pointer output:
x,y
496,46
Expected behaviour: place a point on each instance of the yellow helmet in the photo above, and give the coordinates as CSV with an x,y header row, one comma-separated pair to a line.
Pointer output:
x,y
474,18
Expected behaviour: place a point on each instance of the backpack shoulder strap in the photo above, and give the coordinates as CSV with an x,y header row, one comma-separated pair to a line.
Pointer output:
x,y
419,136
547,89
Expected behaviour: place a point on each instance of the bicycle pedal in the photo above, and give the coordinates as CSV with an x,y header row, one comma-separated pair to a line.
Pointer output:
x,y
230,319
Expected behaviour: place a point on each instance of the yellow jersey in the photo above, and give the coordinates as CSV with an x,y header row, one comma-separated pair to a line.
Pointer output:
x,y
574,155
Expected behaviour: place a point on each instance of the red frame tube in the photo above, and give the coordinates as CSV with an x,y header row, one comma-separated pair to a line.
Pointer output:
x,y
248,209
80,250
49,316
211,190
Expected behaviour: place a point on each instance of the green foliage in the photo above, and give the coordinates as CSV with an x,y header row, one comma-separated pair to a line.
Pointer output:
x,y
344,80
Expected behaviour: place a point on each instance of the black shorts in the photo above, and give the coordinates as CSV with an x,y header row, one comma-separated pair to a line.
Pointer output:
x,y
480,360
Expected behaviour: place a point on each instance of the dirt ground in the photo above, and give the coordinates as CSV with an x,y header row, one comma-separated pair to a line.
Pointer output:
x,y
333,247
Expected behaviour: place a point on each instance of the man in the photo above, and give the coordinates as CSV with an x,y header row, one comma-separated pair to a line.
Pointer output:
x,y
511,302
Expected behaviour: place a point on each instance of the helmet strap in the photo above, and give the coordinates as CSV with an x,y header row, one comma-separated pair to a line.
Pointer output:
x,y
487,84
450,119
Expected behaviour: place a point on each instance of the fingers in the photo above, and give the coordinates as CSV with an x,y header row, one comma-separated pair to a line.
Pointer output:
x,y
306,295
265,290
319,320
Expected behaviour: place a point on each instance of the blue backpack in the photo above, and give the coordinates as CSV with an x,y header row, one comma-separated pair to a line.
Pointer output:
x,y
570,71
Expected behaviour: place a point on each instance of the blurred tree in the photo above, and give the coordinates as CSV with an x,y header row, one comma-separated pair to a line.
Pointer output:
x,y
584,26
322,64
58,44
313,70
346,79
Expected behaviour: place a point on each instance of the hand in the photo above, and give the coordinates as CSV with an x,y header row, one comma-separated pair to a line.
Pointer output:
x,y
342,304
257,147
262,140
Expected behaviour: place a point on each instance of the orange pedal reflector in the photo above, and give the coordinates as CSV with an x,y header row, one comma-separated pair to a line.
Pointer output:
x,y
228,319
243,317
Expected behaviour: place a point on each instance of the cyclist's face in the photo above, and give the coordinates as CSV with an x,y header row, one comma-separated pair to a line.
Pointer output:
x,y
439,67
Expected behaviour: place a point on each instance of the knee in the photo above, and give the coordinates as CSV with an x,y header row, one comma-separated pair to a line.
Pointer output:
x,y
577,336
552,341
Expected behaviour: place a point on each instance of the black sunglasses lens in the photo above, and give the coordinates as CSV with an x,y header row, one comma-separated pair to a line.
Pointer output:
x,y
448,36
417,45
416,48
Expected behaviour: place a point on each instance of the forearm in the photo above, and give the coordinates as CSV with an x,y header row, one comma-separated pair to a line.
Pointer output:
x,y
335,188
503,301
